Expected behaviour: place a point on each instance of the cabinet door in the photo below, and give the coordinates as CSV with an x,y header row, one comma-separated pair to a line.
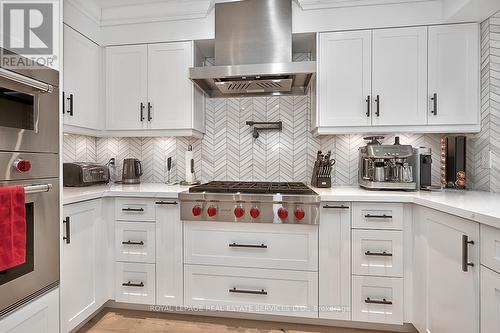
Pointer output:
x,y
126,87
335,261
400,76
81,268
170,91
169,263
446,297
490,301
345,78
40,315
82,68
454,74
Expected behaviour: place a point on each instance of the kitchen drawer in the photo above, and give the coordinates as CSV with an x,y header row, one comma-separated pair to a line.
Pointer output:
x,y
277,246
490,301
377,215
264,291
135,283
135,242
490,247
377,299
377,252
135,209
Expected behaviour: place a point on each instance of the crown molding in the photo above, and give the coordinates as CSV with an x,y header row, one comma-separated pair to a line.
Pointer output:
x,y
324,4
87,8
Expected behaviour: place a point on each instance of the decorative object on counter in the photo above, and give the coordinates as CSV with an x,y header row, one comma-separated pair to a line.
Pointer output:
x,y
79,174
132,171
322,171
268,125
169,169
190,173
387,167
453,161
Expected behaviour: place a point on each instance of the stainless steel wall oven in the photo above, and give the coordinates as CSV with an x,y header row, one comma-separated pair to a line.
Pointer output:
x,y
29,157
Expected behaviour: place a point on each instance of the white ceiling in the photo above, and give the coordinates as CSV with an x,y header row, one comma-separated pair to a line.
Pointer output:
x,y
119,3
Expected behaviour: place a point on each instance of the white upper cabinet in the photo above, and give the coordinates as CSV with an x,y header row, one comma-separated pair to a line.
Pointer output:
x,y
454,74
385,80
170,91
126,87
148,89
400,76
82,84
345,71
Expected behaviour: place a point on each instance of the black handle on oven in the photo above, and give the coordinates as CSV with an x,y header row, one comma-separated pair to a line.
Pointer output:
x,y
243,291
67,223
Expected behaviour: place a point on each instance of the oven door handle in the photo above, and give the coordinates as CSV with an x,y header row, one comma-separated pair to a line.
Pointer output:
x,y
13,76
32,189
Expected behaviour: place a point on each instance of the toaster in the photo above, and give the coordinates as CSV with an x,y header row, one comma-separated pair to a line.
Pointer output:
x,y
84,174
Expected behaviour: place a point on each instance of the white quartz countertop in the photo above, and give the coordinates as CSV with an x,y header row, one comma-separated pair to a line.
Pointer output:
x,y
482,207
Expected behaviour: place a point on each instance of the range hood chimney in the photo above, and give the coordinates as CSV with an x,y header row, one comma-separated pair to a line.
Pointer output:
x,y
253,52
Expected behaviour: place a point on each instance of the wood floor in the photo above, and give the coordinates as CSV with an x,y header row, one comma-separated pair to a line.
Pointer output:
x,y
128,321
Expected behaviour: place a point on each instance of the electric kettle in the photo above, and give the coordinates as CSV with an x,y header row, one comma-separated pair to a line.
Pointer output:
x,y
132,171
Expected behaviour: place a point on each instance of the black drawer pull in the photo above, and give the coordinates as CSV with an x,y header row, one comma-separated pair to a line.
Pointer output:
x,y
133,243
67,237
166,203
377,301
381,254
384,216
132,209
465,253
253,292
130,284
260,246
335,207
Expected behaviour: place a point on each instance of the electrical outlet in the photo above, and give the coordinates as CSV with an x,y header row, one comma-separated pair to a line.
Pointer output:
x,y
486,159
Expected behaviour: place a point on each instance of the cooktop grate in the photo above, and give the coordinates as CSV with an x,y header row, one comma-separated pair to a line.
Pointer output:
x,y
253,187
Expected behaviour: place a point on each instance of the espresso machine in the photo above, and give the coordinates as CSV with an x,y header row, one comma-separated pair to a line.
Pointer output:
x,y
386,167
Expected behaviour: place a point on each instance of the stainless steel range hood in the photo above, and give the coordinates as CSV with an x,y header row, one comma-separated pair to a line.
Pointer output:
x,y
253,52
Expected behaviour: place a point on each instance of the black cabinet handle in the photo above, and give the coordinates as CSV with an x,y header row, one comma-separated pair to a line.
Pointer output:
x,y
133,243
63,103
130,284
383,216
260,246
67,223
166,203
141,110
377,100
465,253
132,209
434,98
335,207
149,111
253,292
377,301
368,99
380,254
70,99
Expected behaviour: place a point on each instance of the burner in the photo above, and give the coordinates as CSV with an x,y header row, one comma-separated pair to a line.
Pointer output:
x,y
253,188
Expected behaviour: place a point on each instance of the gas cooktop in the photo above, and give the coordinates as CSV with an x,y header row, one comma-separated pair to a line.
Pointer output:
x,y
288,188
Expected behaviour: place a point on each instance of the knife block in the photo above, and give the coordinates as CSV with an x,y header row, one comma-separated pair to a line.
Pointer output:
x,y
320,181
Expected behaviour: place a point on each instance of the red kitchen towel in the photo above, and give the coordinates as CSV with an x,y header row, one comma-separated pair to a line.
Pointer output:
x,y
12,227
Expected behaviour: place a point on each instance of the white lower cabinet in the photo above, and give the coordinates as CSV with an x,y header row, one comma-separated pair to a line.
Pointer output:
x,y
490,301
39,316
169,264
135,283
377,252
84,261
446,273
335,261
377,299
264,291
135,242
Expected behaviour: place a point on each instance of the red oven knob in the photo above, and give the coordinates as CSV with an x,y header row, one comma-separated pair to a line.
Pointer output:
x,y
22,165
196,210
300,214
254,212
239,212
212,211
282,213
